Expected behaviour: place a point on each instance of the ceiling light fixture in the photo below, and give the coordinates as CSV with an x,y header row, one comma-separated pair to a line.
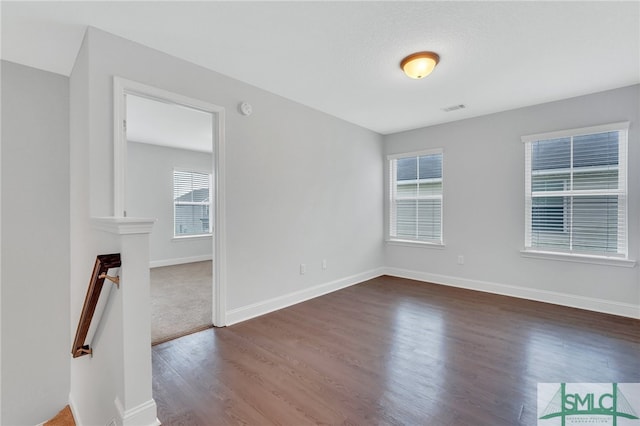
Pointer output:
x,y
420,64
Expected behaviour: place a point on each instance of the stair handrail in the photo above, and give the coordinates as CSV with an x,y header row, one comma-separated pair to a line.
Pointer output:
x,y
104,262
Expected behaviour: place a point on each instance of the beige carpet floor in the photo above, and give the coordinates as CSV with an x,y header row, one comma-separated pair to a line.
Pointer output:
x,y
180,300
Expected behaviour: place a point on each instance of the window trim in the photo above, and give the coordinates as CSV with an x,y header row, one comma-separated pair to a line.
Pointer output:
x,y
578,257
391,197
414,243
191,237
542,253
581,131
176,237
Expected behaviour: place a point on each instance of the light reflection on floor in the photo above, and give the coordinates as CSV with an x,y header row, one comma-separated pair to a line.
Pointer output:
x,y
417,346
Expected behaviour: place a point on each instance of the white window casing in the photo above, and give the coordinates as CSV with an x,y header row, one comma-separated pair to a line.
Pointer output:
x,y
576,192
192,208
416,197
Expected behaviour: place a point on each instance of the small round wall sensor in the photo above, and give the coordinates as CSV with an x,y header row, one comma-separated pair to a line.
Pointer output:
x,y
245,108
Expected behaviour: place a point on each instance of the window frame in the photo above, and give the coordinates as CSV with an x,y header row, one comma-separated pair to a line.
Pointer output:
x,y
621,257
179,237
391,236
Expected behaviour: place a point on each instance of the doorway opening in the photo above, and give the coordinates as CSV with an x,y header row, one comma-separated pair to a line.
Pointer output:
x,y
169,165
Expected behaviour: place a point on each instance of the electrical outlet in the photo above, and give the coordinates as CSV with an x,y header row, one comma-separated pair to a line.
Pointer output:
x,y
303,269
460,259
324,263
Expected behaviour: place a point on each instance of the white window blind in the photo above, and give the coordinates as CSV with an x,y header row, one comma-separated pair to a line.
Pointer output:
x,y
576,191
191,203
416,197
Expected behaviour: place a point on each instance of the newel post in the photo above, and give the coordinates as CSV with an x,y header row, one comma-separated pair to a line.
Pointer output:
x,y
135,404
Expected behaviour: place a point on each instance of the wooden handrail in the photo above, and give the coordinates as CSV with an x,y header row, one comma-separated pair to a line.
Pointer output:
x,y
104,262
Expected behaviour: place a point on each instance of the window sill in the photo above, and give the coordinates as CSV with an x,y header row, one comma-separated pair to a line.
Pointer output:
x,y
410,243
192,237
580,258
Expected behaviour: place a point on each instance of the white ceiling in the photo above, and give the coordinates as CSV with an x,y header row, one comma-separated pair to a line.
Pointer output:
x,y
159,123
343,57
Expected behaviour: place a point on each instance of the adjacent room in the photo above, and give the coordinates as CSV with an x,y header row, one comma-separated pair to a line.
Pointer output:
x,y
169,164
420,213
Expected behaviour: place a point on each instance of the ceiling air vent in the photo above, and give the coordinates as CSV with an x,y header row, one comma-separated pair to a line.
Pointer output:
x,y
453,108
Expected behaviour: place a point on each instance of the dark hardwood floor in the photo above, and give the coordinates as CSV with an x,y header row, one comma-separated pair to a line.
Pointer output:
x,y
390,351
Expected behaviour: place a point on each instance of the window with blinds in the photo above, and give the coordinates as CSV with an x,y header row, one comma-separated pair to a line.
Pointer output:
x,y
576,191
191,203
416,197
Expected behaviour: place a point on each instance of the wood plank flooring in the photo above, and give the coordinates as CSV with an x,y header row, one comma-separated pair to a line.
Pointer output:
x,y
390,351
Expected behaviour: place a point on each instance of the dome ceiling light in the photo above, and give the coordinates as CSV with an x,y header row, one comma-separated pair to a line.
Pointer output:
x,y
420,64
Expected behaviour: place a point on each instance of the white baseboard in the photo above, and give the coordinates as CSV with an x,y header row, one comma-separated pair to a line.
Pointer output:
x,y
251,311
588,303
140,415
179,261
144,414
556,298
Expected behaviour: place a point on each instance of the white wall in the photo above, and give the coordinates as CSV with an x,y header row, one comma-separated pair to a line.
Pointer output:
x,y
302,186
484,206
35,244
149,193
